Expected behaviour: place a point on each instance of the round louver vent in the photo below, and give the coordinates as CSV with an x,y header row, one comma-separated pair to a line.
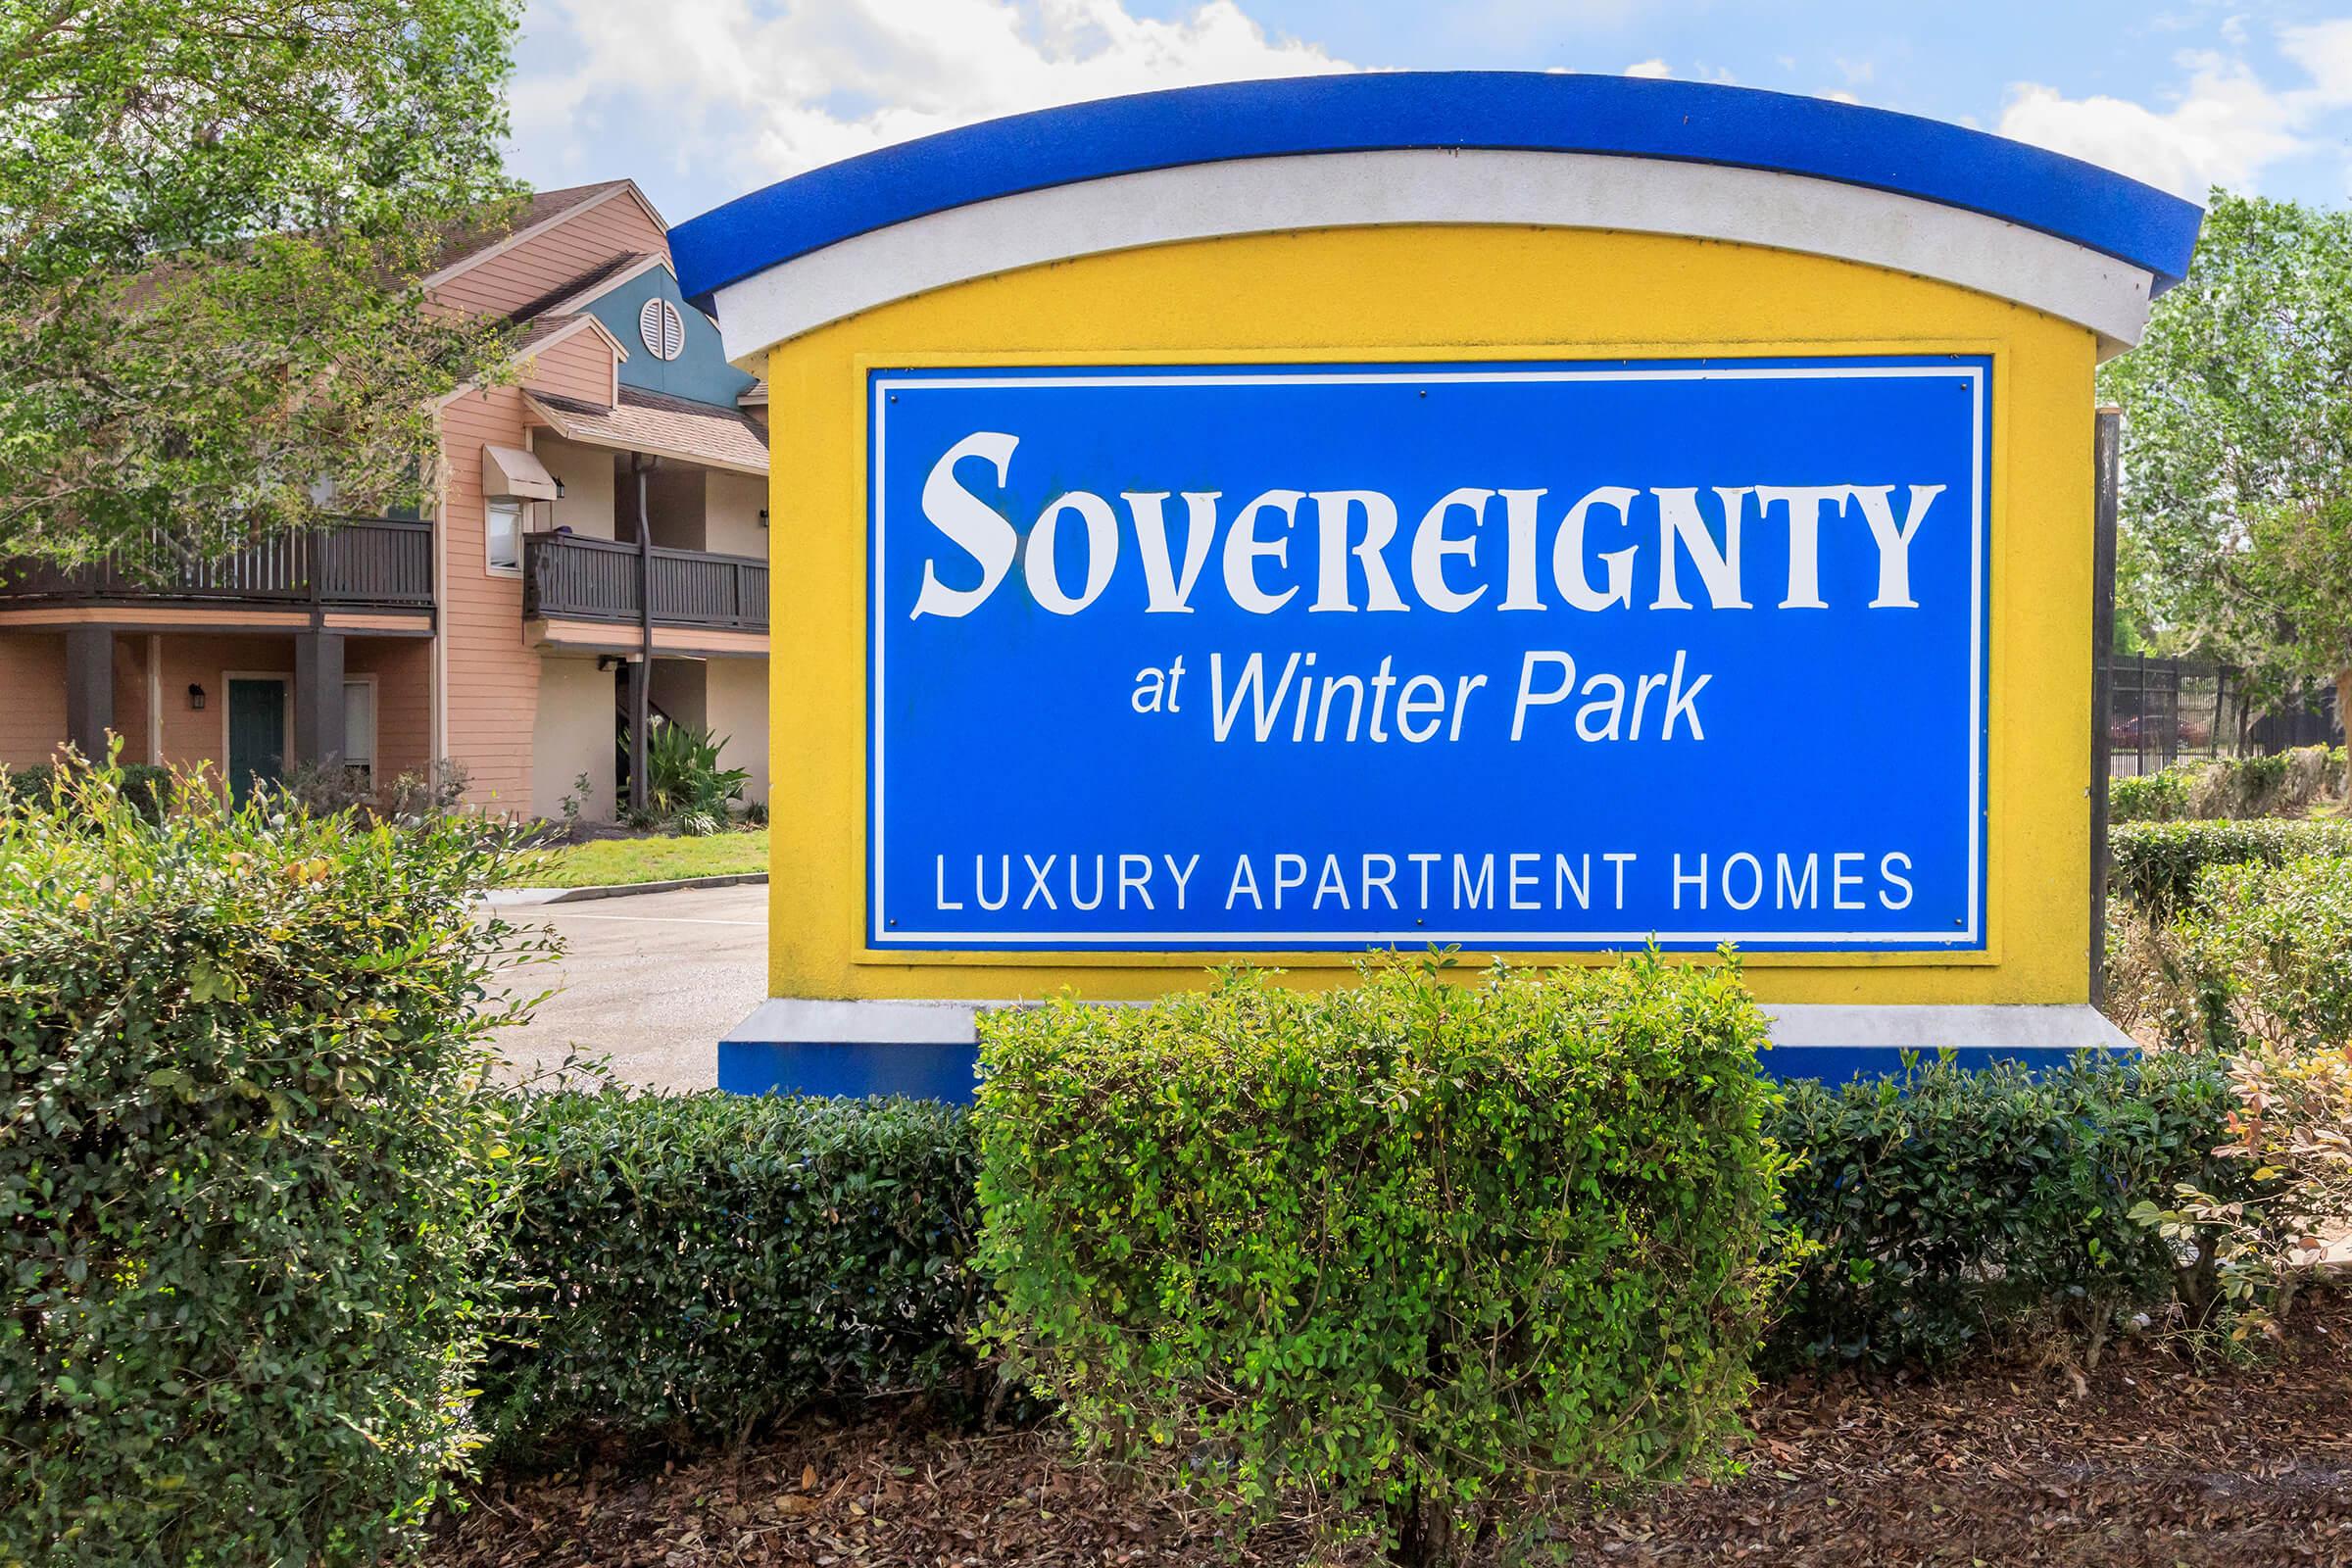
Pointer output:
x,y
663,331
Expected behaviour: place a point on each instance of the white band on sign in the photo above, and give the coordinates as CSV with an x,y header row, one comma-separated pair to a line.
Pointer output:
x,y
1413,187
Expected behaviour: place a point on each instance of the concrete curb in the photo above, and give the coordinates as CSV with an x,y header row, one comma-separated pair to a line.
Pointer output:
x,y
518,897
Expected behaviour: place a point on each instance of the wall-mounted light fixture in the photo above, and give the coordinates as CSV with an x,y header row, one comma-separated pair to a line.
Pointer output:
x,y
558,487
762,516
196,697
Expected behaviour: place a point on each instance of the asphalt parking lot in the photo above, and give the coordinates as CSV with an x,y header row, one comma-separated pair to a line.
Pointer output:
x,y
649,981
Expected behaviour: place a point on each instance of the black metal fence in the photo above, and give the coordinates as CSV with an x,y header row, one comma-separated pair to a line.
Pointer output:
x,y
2165,710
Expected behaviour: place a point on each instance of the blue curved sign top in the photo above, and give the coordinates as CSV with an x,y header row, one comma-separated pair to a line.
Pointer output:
x,y
1513,111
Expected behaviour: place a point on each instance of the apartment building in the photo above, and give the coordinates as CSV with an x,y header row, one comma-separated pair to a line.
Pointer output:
x,y
598,548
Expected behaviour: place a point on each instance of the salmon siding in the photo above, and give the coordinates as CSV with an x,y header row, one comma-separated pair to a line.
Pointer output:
x,y
458,673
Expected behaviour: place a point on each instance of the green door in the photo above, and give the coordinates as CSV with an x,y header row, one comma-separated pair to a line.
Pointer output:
x,y
257,733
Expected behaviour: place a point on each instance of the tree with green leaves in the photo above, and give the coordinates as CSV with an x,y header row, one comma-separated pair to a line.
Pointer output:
x,y
213,220
2236,506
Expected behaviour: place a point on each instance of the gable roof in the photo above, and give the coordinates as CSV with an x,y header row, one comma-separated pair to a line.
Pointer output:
x,y
552,329
574,292
544,210
545,332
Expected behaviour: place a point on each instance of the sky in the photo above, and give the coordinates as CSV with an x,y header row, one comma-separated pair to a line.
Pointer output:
x,y
701,101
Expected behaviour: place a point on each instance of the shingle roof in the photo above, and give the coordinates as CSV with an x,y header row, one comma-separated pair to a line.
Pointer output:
x,y
573,286
667,427
540,330
546,204
542,206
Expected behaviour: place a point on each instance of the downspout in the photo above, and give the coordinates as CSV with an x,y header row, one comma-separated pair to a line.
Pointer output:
x,y
437,666
154,700
641,689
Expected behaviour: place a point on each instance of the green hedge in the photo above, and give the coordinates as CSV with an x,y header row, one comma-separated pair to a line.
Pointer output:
x,y
1395,1246
1961,1205
2157,863
2267,949
2157,796
2229,787
694,1264
1967,1207
245,1169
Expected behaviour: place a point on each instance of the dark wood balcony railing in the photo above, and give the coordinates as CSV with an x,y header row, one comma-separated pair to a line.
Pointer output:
x,y
372,562
574,577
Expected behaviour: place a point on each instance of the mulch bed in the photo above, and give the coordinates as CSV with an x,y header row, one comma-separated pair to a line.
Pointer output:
x,y
2149,1460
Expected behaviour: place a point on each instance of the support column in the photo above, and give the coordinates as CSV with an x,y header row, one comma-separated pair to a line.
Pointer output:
x,y
318,698
89,689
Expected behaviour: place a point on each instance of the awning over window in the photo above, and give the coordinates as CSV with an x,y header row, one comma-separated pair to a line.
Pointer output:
x,y
510,473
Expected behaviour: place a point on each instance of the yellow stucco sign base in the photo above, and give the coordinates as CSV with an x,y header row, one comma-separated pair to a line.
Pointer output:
x,y
1430,294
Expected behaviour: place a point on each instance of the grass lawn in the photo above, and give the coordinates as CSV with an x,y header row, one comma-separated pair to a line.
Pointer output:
x,y
606,861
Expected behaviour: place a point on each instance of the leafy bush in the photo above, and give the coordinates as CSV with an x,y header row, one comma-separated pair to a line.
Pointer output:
x,y
439,788
2157,796
145,788
701,1264
685,788
2292,1130
247,1163
2150,987
698,1263
2270,952
1960,1204
2229,787
2157,863
1409,1251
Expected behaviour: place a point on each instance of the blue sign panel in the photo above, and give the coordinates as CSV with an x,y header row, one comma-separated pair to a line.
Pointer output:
x,y
1521,657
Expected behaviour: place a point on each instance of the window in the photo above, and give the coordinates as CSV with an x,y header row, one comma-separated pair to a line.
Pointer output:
x,y
502,536
359,729
661,329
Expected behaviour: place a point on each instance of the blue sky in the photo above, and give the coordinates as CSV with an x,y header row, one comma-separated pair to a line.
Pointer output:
x,y
701,100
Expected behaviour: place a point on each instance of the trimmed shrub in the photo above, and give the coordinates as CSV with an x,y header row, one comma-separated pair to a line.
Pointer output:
x,y
1415,1251
701,1264
2229,787
1959,1205
2269,951
2156,863
247,1163
2157,796
695,1264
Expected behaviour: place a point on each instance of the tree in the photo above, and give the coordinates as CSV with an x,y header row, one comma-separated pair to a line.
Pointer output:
x,y
2237,505
214,217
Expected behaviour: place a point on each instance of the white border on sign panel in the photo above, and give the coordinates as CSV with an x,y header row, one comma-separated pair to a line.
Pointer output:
x,y
1973,373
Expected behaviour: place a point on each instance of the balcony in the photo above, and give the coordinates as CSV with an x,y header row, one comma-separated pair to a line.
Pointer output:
x,y
357,563
575,577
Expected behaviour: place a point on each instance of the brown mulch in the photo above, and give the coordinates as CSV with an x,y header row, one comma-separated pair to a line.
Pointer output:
x,y
2149,1460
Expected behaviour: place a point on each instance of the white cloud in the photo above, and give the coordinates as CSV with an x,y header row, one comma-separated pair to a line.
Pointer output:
x,y
1656,69
2225,128
767,91
2325,51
